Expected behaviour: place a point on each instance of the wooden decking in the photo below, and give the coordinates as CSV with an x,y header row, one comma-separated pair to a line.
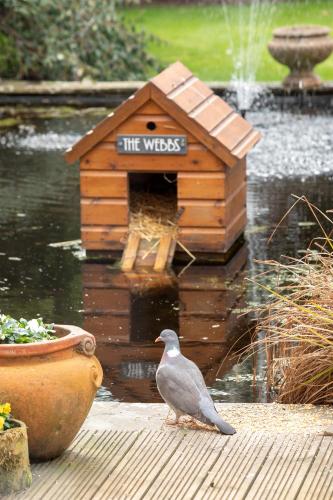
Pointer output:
x,y
184,463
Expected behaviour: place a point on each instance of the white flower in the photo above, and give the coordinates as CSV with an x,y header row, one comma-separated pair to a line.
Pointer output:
x,y
33,325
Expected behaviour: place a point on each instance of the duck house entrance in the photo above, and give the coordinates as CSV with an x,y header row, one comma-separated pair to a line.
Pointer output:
x,y
153,221
163,186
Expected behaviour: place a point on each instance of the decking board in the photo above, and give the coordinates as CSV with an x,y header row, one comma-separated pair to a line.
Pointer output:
x,y
187,464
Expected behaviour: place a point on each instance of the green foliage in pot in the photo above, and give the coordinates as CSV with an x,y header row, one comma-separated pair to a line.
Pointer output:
x,y
22,331
73,39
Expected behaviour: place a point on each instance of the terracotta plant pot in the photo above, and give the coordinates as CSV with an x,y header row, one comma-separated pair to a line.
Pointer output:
x,y
15,473
301,48
51,386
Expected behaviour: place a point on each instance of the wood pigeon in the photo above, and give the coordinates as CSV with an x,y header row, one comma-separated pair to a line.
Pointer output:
x,y
182,386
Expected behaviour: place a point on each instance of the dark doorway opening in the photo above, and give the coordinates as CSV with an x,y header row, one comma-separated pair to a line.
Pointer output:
x,y
153,194
160,184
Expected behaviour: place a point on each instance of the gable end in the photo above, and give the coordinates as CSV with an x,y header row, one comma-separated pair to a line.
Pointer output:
x,y
190,103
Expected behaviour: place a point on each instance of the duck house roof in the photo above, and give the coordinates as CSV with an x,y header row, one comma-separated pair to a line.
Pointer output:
x,y
193,105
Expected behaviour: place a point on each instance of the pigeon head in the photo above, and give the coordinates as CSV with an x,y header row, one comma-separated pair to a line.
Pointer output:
x,y
169,337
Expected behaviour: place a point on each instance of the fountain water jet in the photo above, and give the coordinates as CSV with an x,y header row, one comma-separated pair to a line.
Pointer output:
x,y
246,47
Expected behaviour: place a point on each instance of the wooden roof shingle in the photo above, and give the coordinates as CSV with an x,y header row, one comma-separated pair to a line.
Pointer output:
x,y
190,102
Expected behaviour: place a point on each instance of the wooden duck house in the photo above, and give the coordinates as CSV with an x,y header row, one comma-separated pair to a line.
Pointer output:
x,y
174,138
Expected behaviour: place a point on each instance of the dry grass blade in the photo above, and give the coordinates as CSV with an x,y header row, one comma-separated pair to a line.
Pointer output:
x,y
295,328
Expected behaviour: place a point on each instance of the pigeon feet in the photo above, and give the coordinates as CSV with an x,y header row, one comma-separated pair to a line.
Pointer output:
x,y
176,420
179,420
172,422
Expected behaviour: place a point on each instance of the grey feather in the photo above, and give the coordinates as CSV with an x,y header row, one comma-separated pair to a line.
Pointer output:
x,y
182,385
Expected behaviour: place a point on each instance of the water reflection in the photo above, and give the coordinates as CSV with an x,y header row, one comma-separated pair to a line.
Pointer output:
x,y
126,312
39,204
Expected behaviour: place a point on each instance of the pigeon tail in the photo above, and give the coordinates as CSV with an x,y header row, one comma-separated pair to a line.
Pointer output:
x,y
213,417
224,427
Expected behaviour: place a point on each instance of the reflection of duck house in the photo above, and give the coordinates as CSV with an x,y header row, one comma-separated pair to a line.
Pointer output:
x,y
126,312
176,137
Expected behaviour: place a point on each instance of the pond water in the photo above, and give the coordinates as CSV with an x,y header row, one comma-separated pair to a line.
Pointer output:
x,y
39,205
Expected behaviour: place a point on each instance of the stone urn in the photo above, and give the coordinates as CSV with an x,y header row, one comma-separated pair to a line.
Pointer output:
x,y
15,473
301,48
51,386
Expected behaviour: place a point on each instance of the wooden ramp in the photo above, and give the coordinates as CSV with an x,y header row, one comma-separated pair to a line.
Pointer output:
x,y
139,252
198,465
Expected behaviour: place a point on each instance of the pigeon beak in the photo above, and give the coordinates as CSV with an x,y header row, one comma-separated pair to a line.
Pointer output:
x,y
158,340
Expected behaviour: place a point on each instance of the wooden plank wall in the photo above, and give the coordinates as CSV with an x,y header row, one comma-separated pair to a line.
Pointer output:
x,y
212,195
214,208
104,208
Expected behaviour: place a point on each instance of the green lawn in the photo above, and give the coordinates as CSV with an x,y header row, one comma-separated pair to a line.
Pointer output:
x,y
199,35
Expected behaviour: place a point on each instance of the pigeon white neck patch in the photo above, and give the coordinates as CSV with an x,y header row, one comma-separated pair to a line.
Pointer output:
x,y
173,352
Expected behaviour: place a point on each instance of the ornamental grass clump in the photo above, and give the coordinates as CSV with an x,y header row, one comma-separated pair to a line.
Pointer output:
x,y
22,331
296,326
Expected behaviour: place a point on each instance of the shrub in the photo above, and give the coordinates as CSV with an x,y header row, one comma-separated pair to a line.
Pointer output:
x,y
8,57
73,39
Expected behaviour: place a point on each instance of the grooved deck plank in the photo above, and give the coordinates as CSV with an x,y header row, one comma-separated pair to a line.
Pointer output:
x,y
285,469
184,464
115,446
47,473
140,467
78,475
294,478
188,466
318,483
236,468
